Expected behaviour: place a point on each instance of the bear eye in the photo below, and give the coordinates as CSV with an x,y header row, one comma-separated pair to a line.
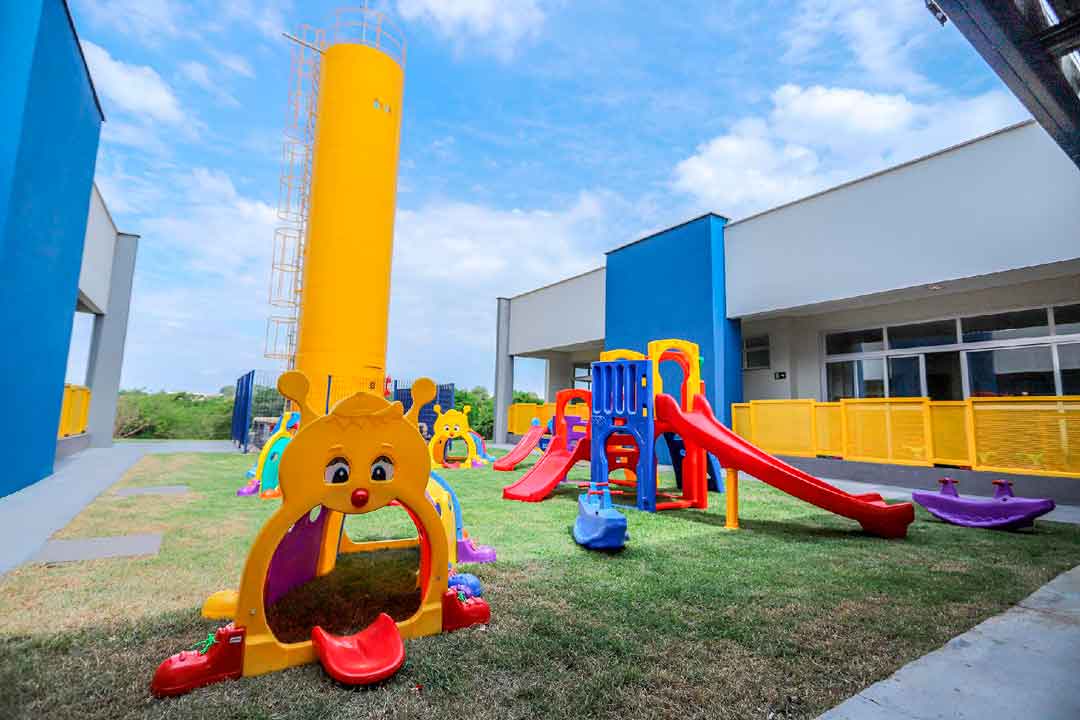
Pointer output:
x,y
446,428
337,471
382,469
457,428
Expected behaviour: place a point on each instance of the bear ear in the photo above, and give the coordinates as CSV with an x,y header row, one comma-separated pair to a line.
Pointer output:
x,y
295,386
423,392
466,409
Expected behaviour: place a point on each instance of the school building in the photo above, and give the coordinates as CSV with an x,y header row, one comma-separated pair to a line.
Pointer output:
x,y
954,278
60,252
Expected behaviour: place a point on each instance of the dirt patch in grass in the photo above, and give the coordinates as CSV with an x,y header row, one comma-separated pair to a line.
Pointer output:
x,y
350,597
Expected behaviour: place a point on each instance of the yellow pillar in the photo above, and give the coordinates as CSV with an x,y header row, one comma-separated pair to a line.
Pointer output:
x,y
731,490
345,292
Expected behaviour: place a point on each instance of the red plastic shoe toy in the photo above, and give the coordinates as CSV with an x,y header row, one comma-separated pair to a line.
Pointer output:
x,y
221,657
461,612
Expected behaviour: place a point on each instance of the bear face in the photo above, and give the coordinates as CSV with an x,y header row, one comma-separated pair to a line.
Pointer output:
x,y
357,459
452,423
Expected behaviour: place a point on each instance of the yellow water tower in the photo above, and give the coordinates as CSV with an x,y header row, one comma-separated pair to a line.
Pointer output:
x,y
345,285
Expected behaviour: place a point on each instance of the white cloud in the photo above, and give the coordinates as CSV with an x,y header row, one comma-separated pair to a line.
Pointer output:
x,y
266,16
452,259
143,20
200,75
136,89
500,25
234,62
817,137
880,36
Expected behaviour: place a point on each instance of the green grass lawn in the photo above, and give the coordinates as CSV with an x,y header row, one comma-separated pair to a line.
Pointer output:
x,y
788,616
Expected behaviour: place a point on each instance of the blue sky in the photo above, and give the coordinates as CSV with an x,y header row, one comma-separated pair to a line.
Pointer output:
x,y
536,135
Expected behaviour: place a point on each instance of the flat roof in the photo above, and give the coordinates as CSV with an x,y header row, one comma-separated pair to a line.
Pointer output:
x,y
885,171
668,229
557,282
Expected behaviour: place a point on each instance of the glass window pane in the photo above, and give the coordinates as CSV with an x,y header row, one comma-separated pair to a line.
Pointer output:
x,y
870,378
904,378
853,342
943,378
1067,319
1018,371
1003,326
758,341
757,359
939,332
1069,358
840,380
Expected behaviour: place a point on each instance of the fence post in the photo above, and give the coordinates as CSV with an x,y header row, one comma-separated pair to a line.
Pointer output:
x,y
731,489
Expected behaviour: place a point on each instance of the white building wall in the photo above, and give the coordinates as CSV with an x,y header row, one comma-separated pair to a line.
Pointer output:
x,y
1009,200
798,342
95,275
557,316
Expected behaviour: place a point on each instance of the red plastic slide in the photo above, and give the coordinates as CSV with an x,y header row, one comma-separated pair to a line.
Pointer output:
x,y
549,471
700,426
521,451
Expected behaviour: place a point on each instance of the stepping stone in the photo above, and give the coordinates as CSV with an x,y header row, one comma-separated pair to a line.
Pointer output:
x,y
58,551
155,490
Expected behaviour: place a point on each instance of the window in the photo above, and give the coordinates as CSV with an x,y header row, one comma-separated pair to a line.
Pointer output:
x,y
1067,319
1006,326
1069,360
854,342
905,378
940,332
582,377
856,378
944,380
1014,371
756,353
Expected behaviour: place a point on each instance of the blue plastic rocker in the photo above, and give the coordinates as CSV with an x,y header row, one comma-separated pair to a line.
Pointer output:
x,y
599,526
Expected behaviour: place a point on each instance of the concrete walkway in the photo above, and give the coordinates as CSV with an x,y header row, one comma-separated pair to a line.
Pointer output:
x,y
30,516
1018,665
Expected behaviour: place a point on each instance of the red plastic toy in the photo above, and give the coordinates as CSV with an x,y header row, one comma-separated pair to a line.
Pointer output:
x,y
461,612
371,655
221,658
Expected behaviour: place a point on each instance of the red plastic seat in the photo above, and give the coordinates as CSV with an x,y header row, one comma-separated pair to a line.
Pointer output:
x,y
371,655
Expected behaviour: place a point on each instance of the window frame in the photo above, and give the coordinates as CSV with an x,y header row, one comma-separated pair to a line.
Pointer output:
x,y
745,351
1051,339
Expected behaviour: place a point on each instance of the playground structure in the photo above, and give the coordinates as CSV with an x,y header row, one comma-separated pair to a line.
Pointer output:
x,y
630,411
453,426
367,454
463,549
1004,511
263,476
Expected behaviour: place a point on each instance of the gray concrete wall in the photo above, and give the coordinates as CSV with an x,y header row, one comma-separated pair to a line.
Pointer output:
x,y
97,259
568,313
559,375
107,343
1009,200
504,368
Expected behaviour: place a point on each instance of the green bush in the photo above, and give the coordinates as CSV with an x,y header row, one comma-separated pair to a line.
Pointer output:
x,y
161,415
482,416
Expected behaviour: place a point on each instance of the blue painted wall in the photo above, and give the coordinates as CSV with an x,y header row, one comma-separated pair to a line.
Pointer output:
x,y
671,285
49,128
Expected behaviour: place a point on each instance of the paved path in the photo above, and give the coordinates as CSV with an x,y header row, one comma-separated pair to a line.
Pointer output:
x,y
30,516
1019,665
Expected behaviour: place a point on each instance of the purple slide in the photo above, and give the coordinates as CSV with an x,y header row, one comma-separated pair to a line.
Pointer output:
x,y
1002,512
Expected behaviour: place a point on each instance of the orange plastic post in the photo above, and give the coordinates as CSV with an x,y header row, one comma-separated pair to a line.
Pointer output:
x,y
731,489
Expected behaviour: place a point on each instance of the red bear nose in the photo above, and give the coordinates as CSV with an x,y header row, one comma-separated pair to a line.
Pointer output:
x,y
359,498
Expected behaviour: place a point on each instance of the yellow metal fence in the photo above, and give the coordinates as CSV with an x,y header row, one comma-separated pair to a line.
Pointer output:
x,y
1032,435
520,415
75,410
